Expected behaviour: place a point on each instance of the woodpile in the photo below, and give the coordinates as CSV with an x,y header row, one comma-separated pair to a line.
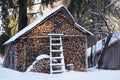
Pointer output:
x,y
74,52
36,42
21,57
29,49
41,29
42,66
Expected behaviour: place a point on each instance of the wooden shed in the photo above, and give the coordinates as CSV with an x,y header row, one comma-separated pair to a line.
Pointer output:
x,y
32,41
112,53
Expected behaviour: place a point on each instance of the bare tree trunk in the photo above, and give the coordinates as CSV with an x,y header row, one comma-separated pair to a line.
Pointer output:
x,y
22,14
100,61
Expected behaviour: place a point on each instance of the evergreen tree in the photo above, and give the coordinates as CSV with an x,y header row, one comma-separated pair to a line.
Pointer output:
x,y
5,19
47,2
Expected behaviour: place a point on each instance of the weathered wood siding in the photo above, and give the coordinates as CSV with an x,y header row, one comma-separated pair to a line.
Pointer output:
x,y
10,57
112,57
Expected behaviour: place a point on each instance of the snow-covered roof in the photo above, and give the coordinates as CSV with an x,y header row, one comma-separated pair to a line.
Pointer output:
x,y
98,46
40,19
83,29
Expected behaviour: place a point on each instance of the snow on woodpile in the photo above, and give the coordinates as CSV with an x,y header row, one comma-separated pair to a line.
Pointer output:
x,y
41,64
42,57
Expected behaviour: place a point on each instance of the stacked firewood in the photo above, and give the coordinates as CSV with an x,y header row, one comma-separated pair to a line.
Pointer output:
x,y
36,43
74,52
41,29
29,49
21,57
68,29
42,66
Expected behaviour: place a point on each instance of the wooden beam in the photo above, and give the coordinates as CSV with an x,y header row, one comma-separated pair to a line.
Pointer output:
x,y
49,36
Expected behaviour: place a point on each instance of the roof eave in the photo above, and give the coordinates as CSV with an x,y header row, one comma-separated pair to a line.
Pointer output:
x,y
83,29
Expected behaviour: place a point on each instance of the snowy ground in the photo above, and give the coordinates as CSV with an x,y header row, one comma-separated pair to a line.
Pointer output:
x,y
92,74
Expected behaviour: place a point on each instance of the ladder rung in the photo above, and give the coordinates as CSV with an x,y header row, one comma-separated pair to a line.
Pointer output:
x,y
54,44
57,71
56,64
56,51
52,34
57,57
55,39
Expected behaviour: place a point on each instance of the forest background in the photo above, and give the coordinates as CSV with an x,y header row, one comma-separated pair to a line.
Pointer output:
x,y
101,17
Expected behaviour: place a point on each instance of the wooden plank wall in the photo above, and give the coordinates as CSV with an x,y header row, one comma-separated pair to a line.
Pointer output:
x,y
10,57
112,57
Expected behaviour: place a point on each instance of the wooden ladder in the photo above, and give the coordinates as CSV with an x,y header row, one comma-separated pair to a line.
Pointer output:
x,y
57,64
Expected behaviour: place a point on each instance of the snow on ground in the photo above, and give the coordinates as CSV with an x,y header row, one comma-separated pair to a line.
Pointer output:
x,y
7,74
92,74
1,61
